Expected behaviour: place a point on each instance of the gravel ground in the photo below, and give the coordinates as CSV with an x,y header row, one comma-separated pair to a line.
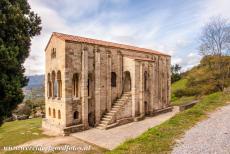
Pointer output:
x,y
211,136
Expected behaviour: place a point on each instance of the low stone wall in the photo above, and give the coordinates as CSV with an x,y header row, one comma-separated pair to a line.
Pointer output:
x,y
188,105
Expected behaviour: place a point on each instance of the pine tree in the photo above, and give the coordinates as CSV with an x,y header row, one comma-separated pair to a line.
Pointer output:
x,y
18,24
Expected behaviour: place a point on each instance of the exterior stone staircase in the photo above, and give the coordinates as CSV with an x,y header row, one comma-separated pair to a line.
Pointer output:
x,y
110,117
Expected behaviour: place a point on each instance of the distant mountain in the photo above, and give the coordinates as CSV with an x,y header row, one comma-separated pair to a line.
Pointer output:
x,y
35,81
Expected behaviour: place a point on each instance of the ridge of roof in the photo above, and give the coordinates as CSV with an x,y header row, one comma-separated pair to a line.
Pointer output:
x,y
67,37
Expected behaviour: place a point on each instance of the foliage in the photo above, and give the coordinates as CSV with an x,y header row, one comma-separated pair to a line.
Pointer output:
x,y
161,139
187,92
176,75
215,42
184,100
18,24
206,78
23,109
181,84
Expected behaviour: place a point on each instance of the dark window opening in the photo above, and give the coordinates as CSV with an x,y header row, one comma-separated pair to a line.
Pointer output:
x,y
145,80
113,79
76,115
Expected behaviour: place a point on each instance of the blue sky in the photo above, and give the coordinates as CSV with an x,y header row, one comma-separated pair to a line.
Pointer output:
x,y
170,26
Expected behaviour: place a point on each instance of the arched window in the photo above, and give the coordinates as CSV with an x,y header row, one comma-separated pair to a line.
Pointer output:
x,y
54,113
75,85
49,86
76,115
49,111
127,82
59,84
145,80
113,79
89,85
54,85
59,114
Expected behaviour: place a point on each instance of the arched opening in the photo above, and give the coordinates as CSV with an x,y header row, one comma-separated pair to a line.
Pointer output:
x,y
49,111
49,86
127,82
59,84
76,115
145,81
113,79
54,84
146,108
91,119
75,85
54,113
89,85
59,114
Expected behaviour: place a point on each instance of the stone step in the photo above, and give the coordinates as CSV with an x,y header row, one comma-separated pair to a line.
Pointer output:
x,y
104,122
99,127
117,106
105,118
113,111
108,116
102,125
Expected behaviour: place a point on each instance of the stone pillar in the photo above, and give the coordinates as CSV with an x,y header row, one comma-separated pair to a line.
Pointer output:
x,y
97,86
109,88
151,87
84,87
142,110
160,83
169,79
135,89
120,73
155,86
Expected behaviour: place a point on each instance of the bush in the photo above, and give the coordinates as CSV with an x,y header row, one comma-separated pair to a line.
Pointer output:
x,y
186,92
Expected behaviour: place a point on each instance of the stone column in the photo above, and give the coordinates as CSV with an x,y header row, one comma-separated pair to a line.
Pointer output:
x,y
160,83
135,89
151,87
109,88
155,86
169,80
84,87
120,74
97,86
142,110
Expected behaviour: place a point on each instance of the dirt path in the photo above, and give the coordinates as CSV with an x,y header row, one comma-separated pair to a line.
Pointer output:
x,y
111,138
211,136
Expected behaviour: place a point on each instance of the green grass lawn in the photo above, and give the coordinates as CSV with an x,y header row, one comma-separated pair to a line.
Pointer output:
x,y
161,139
18,132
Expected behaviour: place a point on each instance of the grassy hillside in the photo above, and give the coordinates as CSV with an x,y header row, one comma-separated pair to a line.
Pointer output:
x,y
181,84
161,139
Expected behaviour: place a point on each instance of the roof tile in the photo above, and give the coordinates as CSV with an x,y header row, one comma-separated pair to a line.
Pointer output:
x,y
67,37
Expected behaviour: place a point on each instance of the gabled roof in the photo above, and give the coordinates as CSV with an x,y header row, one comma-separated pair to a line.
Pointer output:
x,y
73,38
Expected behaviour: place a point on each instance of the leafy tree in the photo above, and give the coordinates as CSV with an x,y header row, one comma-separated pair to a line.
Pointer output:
x,y
176,75
18,24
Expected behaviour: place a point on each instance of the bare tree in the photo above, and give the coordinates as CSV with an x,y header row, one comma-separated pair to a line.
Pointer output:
x,y
215,38
215,42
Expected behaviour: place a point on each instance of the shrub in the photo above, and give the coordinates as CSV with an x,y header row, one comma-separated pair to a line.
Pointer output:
x,y
186,92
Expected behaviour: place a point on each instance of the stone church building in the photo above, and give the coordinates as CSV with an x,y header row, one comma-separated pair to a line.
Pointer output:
x,y
94,83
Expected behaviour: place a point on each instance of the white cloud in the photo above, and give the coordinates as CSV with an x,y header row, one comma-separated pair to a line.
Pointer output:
x,y
157,29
